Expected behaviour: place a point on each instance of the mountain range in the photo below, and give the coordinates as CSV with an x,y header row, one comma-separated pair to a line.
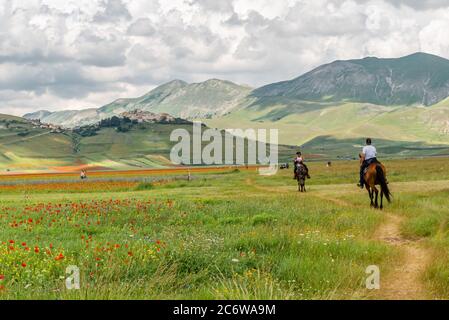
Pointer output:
x,y
417,79
207,99
403,102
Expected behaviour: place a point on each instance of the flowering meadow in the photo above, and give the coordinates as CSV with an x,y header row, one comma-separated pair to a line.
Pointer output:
x,y
231,236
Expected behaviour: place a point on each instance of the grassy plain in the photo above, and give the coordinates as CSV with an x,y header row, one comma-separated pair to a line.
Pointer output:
x,y
228,235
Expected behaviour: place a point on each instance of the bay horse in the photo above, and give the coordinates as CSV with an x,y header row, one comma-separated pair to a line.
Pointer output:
x,y
301,174
376,174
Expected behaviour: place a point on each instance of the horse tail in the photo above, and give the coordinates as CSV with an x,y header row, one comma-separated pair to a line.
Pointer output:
x,y
383,182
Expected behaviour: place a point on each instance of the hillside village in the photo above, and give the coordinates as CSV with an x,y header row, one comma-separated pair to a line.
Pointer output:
x,y
49,126
121,121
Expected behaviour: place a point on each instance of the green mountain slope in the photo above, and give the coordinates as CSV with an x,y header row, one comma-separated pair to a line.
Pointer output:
x,y
345,121
415,79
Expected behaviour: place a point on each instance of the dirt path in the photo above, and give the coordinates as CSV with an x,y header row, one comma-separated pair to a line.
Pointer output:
x,y
403,282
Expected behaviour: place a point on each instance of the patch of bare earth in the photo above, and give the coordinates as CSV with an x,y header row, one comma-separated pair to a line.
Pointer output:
x,y
403,281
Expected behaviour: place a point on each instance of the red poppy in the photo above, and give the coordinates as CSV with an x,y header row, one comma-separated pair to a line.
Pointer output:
x,y
24,264
59,257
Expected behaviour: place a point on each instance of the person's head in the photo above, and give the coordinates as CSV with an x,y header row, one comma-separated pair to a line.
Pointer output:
x,y
298,154
368,141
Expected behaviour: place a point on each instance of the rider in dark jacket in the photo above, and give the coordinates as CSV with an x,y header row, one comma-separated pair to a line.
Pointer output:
x,y
300,160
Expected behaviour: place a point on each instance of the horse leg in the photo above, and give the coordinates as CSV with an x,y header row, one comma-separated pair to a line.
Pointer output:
x,y
370,192
376,204
381,199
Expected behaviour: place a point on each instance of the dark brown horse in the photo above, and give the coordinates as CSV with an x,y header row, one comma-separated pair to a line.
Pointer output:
x,y
301,174
376,175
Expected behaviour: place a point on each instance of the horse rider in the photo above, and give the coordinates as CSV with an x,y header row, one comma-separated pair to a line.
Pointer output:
x,y
299,160
367,157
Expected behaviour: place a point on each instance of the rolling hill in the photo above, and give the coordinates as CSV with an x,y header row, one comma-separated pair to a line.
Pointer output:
x,y
24,146
113,143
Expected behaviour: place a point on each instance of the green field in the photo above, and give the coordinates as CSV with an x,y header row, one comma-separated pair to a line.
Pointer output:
x,y
234,235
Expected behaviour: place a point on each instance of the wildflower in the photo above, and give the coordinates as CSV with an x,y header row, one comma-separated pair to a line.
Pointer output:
x,y
59,257
24,264
2,277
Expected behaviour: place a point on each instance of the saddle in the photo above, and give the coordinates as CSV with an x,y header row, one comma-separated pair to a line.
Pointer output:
x,y
368,163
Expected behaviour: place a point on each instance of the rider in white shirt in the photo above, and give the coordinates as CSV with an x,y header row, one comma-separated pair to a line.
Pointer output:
x,y
369,156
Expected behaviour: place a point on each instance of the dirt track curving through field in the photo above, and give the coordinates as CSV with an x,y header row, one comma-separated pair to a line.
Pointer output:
x,y
403,280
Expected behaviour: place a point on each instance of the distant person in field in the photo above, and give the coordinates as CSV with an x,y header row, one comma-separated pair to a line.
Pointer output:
x,y
299,160
83,174
367,157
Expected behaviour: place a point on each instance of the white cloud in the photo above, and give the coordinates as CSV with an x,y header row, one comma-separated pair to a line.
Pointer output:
x,y
57,54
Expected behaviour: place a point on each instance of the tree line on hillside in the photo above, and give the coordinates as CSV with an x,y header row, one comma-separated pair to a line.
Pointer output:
x,y
120,124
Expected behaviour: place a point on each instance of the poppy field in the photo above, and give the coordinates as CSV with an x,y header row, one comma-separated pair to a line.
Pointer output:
x,y
223,235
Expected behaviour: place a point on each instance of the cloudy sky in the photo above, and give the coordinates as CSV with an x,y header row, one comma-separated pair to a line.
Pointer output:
x,y
57,54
